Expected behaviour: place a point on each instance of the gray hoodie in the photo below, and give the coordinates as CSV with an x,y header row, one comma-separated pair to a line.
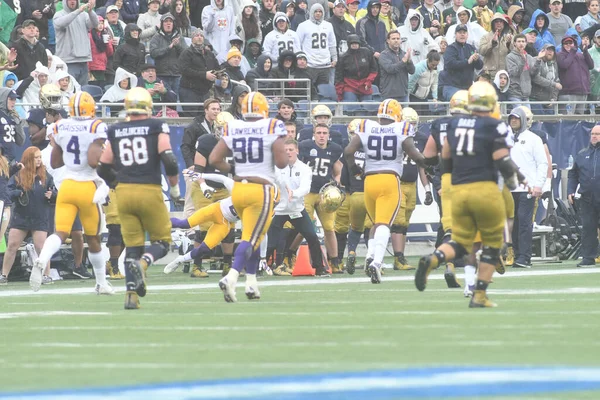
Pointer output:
x,y
544,82
71,27
521,73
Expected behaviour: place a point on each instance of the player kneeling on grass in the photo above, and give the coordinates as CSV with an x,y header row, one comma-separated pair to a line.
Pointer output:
x,y
77,145
222,215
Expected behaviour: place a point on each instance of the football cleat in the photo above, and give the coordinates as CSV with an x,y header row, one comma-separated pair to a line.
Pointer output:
x,y
480,300
400,264
281,271
46,280
132,301
450,276
197,272
469,289
173,265
106,289
252,293
510,256
228,289
500,268
351,262
82,272
263,267
426,265
135,272
322,271
368,262
375,273
37,271
225,267
113,271
3,280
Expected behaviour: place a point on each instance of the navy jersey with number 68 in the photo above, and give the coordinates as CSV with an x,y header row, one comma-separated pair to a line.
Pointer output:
x,y
320,161
472,142
135,147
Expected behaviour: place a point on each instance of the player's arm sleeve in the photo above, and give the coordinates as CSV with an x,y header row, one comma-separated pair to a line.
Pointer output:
x,y
227,182
170,162
108,173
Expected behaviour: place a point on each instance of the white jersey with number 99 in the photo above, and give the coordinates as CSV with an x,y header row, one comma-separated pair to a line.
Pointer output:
x,y
382,145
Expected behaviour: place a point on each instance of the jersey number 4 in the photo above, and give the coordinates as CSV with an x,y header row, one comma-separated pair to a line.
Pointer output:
x,y
73,148
382,148
465,141
133,151
248,150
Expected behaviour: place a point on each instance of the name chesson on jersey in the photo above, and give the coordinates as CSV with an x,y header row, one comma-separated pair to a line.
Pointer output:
x,y
135,146
250,143
75,137
383,144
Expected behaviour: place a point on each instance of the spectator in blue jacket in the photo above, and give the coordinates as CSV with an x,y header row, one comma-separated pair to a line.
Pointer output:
x,y
371,29
130,10
460,62
540,22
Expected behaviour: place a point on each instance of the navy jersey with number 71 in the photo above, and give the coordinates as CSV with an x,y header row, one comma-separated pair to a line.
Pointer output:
x,y
250,143
382,145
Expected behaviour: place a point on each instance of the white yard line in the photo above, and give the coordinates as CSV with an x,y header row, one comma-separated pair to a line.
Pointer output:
x,y
311,281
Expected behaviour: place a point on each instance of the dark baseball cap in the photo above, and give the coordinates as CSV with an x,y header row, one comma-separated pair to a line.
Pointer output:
x,y
461,27
27,22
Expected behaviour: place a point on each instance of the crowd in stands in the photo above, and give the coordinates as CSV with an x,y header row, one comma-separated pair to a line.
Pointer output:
x,y
191,50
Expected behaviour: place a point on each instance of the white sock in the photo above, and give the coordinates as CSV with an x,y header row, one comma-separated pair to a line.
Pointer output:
x,y
233,275
251,280
381,238
99,266
51,246
263,247
370,248
470,272
184,258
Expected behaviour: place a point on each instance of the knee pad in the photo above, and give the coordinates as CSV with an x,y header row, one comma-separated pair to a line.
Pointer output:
x,y
459,250
163,246
114,235
399,229
200,235
490,255
230,238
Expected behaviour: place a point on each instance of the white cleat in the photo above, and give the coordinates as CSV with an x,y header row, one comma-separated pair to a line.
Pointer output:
x,y
172,266
35,279
468,292
252,293
105,289
228,289
375,273
263,266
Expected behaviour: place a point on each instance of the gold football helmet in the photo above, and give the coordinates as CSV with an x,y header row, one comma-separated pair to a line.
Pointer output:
x,y
459,102
321,111
482,97
390,109
138,101
331,197
82,106
410,115
51,97
353,127
222,119
255,105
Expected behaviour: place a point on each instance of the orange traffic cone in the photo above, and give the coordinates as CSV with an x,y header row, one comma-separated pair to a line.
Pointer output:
x,y
303,266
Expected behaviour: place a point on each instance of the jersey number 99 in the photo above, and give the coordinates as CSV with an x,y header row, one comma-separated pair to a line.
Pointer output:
x,y
382,148
248,150
133,151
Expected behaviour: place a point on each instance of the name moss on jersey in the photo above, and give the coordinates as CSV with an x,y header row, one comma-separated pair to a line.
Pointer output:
x,y
250,143
74,137
382,144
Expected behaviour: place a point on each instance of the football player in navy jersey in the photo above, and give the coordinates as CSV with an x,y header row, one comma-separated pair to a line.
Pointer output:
x,y
11,128
321,114
323,157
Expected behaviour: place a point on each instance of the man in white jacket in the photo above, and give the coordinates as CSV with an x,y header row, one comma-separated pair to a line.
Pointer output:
x,y
416,38
294,181
317,39
529,155
280,38
218,21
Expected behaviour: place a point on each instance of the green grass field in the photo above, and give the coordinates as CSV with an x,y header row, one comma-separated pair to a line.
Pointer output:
x,y
186,332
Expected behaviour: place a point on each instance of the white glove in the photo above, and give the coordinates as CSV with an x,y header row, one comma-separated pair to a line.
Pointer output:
x,y
174,192
101,193
263,266
207,190
547,185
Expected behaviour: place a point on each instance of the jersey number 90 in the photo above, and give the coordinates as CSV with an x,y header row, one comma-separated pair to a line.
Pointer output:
x,y
382,148
248,150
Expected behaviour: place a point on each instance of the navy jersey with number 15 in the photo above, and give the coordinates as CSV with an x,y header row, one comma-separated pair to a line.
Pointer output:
x,y
320,160
135,148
